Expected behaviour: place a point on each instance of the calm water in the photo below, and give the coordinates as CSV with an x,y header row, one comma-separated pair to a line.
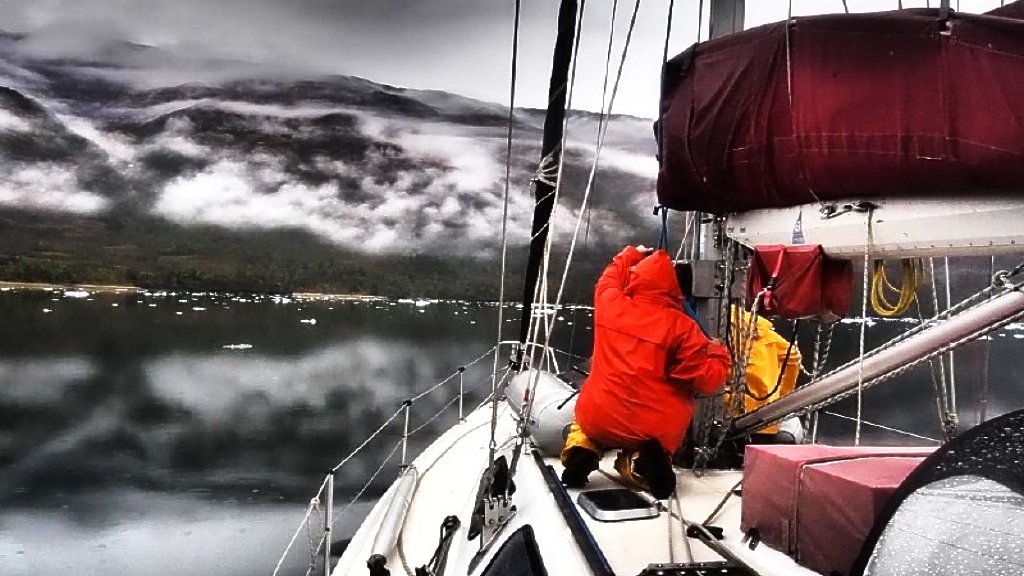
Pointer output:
x,y
183,434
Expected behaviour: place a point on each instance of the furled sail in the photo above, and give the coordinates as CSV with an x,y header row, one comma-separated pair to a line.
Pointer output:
x,y
816,108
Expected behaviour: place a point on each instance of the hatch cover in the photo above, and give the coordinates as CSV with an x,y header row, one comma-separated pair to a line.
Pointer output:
x,y
697,569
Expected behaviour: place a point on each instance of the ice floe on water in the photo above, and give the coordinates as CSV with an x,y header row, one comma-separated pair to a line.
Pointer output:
x,y
310,321
76,293
237,346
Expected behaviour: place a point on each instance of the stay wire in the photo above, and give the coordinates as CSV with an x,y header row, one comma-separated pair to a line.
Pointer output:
x,y
602,119
664,66
863,329
597,154
541,290
504,221
587,193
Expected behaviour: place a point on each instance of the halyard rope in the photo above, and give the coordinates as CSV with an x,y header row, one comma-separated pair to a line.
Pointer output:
x,y
863,330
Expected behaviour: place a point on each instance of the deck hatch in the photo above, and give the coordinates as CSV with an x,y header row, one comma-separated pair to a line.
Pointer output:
x,y
616,505
721,568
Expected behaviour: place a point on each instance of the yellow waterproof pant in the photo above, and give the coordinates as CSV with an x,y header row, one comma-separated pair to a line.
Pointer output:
x,y
623,461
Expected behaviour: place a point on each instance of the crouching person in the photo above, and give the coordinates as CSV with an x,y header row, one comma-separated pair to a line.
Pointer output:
x,y
649,360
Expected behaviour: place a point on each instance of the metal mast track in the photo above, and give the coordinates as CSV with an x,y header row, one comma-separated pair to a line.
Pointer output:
x,y
889,361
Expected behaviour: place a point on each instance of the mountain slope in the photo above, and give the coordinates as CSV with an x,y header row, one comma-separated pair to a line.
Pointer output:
x,y
355,167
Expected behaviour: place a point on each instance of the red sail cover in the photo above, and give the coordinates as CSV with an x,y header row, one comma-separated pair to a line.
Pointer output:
x,y
856,105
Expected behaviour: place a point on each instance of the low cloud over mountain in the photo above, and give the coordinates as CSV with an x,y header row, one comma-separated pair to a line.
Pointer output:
x,y
369,168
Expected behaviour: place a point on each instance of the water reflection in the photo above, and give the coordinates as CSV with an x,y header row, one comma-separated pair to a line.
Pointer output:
x,y
134,435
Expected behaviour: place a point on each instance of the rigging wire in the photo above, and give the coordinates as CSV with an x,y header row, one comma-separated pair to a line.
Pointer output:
x,y
664,65
982,398
586,197
603,132
541,289
600,123
952,418
863,330
700,20
883,427
504,222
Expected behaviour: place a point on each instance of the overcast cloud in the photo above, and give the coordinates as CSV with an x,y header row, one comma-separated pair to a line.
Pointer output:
x,y
461,46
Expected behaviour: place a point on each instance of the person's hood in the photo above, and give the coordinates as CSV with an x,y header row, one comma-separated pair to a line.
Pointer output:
x,y
655,278
764,325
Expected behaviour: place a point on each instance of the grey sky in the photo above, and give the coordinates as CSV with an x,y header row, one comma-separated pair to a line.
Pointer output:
x,y
461,46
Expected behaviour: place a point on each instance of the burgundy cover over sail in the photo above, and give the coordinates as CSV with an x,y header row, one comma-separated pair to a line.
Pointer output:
x,y
827,107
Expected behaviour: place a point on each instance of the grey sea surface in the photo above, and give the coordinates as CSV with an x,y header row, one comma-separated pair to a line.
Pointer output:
x,y
160,434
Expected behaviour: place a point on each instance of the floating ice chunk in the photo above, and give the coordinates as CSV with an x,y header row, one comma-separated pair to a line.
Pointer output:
x,y
422,303
237,346
179,312
115,305
76,294
47,310
198,308
309,321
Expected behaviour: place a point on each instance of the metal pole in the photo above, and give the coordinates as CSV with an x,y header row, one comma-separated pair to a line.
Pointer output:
x,y
328,520
405,431
462,386
726,17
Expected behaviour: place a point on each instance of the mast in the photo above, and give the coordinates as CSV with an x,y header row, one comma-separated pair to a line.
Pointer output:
x,y
550,158
710,288
726,17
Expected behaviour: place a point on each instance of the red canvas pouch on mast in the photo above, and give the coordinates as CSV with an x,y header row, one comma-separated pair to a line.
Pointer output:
x,y
800,282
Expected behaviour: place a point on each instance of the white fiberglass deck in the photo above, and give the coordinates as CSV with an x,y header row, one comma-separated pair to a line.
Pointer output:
x,y
449,476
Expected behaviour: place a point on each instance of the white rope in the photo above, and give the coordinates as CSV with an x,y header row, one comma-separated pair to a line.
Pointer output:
x,y
681,254
952,364
882,427
863,331
295,536
321,537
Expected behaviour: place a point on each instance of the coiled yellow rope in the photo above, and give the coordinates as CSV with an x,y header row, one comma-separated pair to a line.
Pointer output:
x,y
880,285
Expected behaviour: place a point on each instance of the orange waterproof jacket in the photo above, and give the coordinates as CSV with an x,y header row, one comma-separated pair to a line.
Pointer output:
x,y
649,356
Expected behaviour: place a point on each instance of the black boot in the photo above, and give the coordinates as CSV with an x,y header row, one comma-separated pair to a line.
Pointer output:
x,y
579,463
654,465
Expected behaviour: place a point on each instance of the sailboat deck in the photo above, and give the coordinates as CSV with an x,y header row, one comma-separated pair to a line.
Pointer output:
x,y
629,546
